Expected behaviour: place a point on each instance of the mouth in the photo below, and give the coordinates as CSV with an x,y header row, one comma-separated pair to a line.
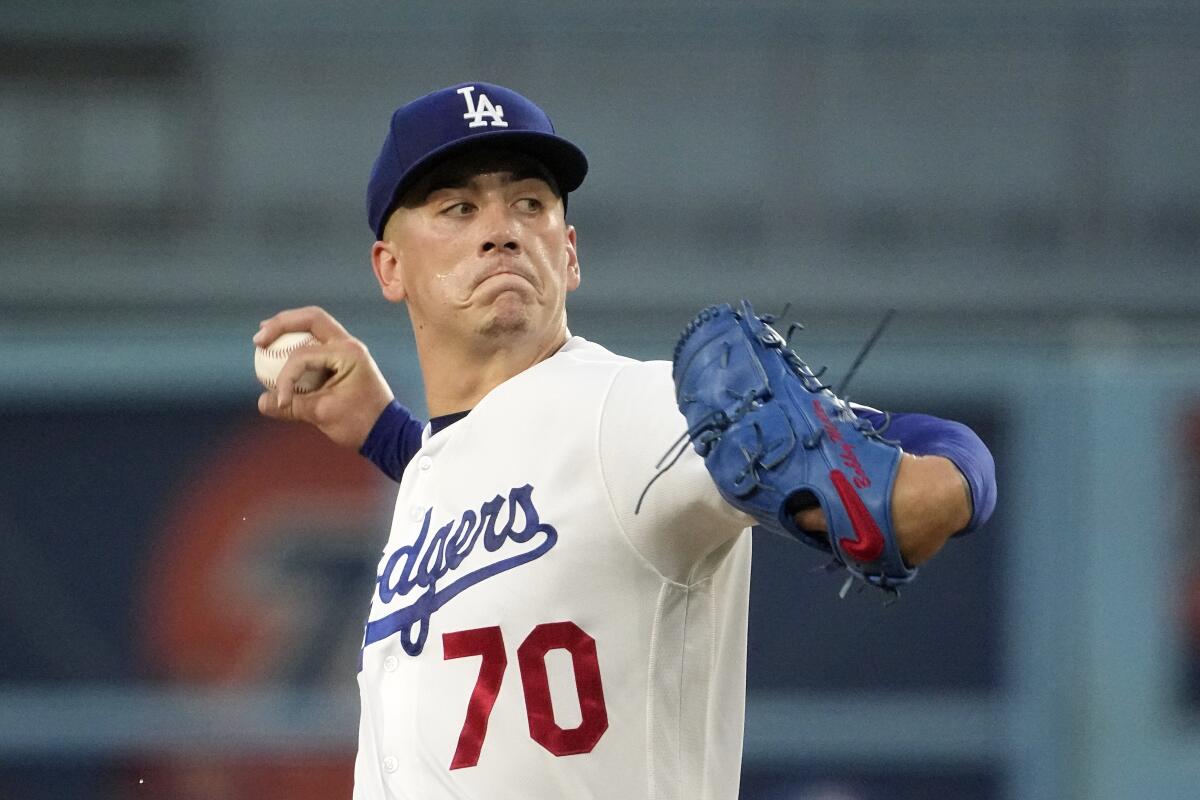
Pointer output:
x,y
505,273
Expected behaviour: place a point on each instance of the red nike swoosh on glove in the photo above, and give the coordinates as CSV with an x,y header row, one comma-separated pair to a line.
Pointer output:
x,y
868,542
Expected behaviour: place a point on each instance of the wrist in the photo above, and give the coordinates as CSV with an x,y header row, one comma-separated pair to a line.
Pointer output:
x,y
930,503
388,421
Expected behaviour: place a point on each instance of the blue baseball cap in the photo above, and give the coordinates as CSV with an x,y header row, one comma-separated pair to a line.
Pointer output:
x,y
459,118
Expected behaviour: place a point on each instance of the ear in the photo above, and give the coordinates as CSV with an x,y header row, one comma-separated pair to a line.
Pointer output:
x,y
386,264
573,276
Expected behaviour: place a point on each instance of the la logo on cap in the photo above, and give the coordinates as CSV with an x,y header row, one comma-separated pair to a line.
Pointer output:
x,y
478,109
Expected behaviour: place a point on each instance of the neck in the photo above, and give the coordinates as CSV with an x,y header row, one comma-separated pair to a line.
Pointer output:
x,y
456,377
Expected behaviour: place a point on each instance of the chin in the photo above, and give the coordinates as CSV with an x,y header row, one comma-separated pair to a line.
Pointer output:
x,y
510,315
505,326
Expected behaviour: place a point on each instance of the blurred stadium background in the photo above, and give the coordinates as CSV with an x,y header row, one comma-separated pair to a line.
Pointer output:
x,y
182,584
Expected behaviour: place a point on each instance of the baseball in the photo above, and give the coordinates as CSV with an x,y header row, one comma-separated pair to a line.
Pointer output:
x,y
270,359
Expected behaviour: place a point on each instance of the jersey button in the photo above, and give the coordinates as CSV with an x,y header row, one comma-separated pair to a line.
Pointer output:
x,y
390,764
390,663
425,463
416,512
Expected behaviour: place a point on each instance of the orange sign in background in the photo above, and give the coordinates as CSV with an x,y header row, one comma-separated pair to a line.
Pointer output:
x,y
261,576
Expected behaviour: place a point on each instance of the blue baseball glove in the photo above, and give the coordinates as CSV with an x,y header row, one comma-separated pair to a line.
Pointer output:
x,y
776,440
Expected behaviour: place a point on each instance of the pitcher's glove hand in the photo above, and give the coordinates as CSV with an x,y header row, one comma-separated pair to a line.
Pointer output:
x,y
775,440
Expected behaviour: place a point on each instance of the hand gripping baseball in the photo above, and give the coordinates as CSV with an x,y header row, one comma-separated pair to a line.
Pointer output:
x,y
347,404
775,439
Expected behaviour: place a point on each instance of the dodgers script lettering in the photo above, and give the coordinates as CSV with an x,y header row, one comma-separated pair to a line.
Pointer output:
x,y
417,568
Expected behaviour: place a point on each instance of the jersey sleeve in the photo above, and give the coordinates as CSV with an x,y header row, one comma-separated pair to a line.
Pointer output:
x,y
682,520
925,435
393,441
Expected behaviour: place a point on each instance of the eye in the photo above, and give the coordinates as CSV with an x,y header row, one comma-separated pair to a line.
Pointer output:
x,y
530,205
460,209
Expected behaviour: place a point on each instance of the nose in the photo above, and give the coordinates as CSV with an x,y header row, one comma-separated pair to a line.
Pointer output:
x,y
500,233
509,245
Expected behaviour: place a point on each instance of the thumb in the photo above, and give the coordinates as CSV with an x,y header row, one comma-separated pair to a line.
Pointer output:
x,y
298,409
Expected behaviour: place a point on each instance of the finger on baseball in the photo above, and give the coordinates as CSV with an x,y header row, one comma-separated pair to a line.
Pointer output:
x,y
314,319
299,362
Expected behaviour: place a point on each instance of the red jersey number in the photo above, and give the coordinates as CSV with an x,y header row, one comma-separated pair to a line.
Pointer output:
x,y
531,659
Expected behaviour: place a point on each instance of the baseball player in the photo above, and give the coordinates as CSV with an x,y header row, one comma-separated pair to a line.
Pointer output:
x,y
534,631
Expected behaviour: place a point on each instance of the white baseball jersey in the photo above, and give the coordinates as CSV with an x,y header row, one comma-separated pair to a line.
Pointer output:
x,y
529,635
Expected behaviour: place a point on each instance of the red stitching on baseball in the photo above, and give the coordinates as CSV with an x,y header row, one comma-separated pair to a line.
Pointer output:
x,y
284,352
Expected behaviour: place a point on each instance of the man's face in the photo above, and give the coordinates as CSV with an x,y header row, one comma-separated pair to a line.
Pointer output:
x,y
482,249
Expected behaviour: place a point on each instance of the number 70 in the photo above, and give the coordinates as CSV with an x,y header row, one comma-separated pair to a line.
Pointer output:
x,y
531,658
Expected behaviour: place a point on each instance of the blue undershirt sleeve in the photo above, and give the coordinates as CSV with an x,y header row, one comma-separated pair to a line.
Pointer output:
x,y
925,435
394,440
